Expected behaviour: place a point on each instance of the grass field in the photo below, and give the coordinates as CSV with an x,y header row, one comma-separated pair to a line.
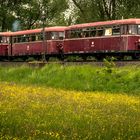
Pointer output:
x,y
37,113
80,78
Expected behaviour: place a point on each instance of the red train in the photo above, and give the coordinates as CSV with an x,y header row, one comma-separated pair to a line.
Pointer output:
x,y
30,43
4,45
117,38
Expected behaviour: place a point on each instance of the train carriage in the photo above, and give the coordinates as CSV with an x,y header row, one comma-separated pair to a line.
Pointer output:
x,y
30,43
55,36
5,45
117,37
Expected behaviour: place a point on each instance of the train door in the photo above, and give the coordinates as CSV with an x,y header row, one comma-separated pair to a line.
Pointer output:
x,y
124,38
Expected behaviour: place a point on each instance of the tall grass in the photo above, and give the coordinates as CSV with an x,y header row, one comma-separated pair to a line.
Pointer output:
x,y
83,78
34,113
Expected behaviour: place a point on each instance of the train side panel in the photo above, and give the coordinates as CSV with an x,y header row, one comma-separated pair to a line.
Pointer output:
x,y
37,48
54,47
98,44
134,43
26,48
3,49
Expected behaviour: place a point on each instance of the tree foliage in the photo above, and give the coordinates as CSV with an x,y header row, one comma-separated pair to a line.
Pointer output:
x,y
28,13
97,10
7,13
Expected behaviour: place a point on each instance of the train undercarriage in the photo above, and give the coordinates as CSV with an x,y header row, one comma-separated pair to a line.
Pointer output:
x,y
95,56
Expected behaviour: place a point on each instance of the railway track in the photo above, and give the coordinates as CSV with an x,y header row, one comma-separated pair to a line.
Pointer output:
x,y
41,64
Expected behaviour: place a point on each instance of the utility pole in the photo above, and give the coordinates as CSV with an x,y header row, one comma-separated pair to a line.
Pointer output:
x,y
44,45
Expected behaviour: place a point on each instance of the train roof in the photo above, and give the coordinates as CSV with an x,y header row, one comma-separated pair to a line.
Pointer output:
x,y
47,29
33,31
5,33
105,23
56,28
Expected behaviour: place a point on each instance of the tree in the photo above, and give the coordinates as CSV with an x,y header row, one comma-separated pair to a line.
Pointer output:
x,y
29,13
7,13
97,10
129,9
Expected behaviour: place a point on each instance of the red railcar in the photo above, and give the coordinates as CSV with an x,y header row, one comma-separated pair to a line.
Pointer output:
x,y
31,43
104,38
4,44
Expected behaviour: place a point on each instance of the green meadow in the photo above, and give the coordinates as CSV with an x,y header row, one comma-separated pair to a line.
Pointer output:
x,y
59,102
37,113
79,78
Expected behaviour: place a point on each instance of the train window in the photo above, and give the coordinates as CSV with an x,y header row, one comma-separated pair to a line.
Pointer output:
x,y
37,37
0,39
124,29
92,32
100,32
19,39
79,34
108,31
132,29
40,36
67,33
139,29
24,38
116,30
76,33
61,35
48,35
10,39
85,32
5,39
54,35
14,39
33,37
72,35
